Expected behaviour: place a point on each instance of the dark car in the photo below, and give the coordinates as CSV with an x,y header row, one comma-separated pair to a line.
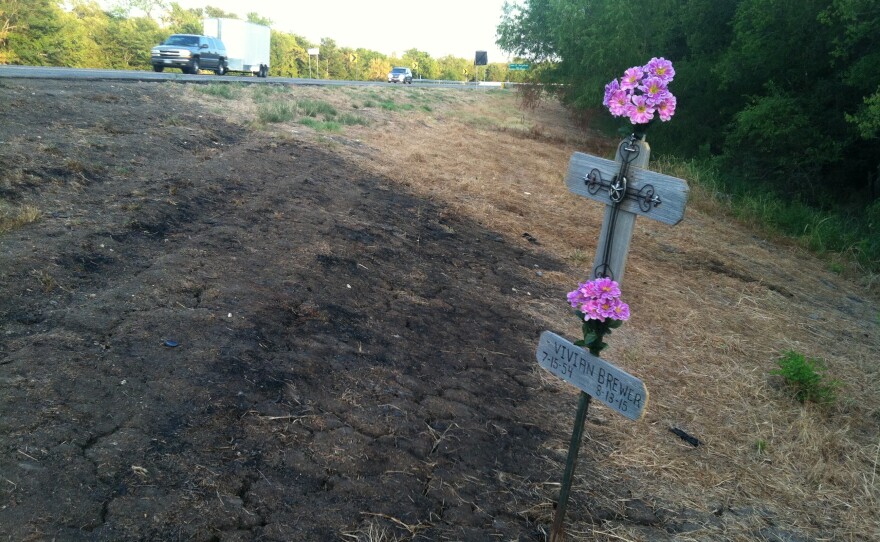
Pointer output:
x,y
400,75
190,53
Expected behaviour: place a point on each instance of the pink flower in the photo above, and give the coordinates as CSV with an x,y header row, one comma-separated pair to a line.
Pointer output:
x,y
660,67
607,287
620,310
642,91
618,102
654,89
599,299
639,111
631,78
666,108
610,89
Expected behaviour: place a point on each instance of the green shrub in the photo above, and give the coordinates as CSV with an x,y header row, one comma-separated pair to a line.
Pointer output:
x,y
806,378
852,232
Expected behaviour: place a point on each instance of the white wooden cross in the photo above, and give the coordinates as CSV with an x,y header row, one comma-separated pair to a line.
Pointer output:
x,y
639,192
628,189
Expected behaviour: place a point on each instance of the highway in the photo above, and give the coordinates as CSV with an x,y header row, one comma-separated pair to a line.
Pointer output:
x,y
89,74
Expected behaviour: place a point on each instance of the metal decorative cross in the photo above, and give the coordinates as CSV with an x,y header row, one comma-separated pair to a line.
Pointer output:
x,y
628,189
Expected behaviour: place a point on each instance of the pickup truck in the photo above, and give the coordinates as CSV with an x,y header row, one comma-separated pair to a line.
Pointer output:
x,y
190,53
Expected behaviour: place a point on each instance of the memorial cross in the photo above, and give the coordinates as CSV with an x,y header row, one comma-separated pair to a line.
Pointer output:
x,y
628,189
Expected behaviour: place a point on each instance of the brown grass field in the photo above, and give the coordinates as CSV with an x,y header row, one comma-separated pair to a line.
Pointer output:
x,y
714,304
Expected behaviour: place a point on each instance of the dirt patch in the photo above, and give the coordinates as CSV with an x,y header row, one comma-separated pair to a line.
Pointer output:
x,y
220,333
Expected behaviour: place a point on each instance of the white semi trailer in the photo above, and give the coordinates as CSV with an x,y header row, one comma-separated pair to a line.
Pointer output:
x,y
247,44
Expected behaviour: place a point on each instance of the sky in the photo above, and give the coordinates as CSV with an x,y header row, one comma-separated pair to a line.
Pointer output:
x,y
438,27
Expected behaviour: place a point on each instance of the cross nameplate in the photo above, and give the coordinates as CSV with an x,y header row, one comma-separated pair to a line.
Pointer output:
x,y
641,192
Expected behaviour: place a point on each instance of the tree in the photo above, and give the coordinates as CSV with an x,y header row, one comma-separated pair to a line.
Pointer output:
x,y
332,60
784,92
288,54
255,17
421,63
41,34
453,68
124,8
180,20
378,69
211,11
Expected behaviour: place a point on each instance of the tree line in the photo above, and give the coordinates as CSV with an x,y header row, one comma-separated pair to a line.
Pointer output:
x,y
779,94
82,34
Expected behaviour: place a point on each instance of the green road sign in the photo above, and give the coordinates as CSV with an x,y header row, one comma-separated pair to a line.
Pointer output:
x,y
518,66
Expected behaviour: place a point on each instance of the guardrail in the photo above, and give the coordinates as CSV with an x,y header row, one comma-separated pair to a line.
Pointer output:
x,y
446,82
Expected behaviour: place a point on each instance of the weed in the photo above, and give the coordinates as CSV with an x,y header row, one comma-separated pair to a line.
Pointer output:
x,y
427,108
761,446
391,105
265,93
853,237
47,281
349,120
321,126
217,89
313,108
806,378
368,104
276,112
579,257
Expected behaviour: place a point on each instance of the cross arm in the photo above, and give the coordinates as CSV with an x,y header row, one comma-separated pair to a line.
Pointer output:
x,y
650,194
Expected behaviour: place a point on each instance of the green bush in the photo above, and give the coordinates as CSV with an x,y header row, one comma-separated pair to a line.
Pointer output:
x,y
853,232
806,378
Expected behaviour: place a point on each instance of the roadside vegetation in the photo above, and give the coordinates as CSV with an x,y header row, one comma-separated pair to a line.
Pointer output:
x,y
847,237
82,34
785,128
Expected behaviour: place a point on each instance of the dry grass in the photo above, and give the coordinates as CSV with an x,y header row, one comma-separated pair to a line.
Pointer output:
x,y
14,217
713,305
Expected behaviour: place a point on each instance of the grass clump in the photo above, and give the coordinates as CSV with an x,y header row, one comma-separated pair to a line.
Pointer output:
x,y
218,89
265,93
349,119
313,108
806,378
12,218
321,126
391,105
276,112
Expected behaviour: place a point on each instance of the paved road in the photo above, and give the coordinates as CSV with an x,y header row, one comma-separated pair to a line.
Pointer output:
x,y
42,72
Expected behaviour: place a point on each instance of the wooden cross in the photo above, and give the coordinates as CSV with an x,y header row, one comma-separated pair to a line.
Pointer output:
x,y
628,189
